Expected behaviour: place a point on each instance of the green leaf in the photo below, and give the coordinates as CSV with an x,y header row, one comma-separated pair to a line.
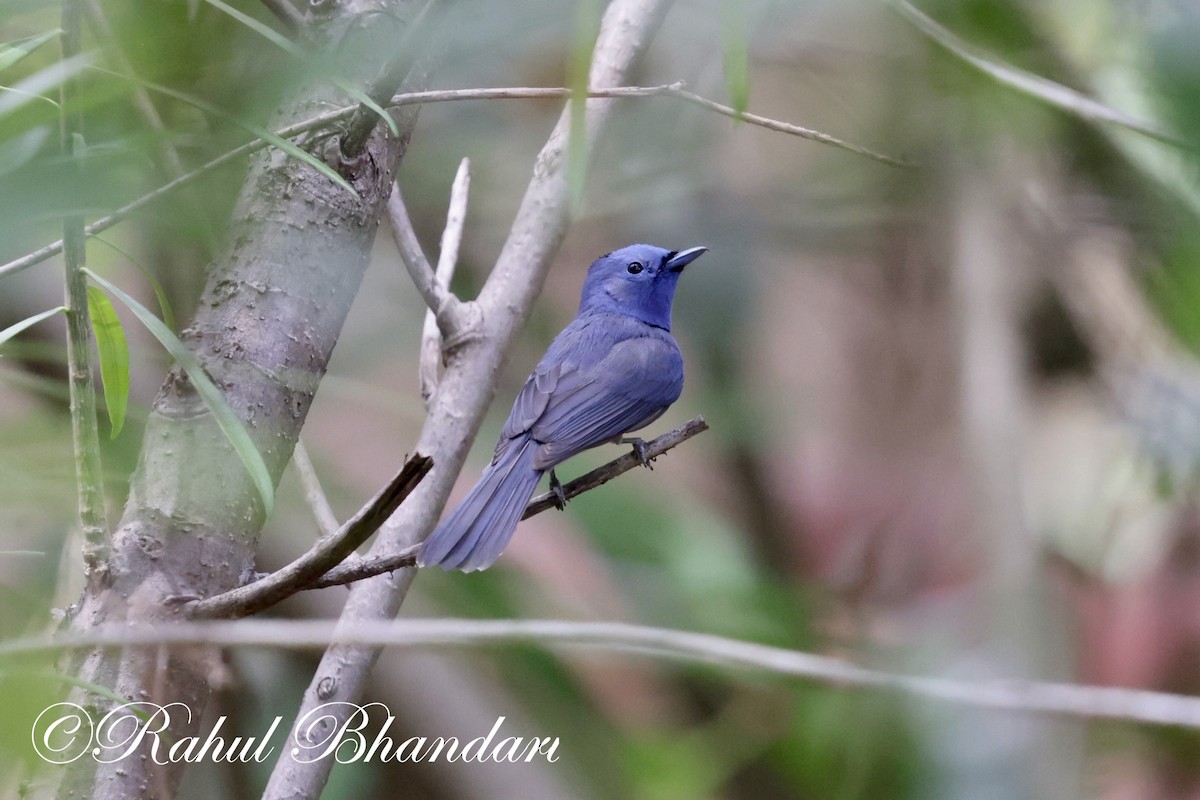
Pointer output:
x,y
32,88
21,149
228,421
114,357
164,305
279,40
587,28
736,53
13,330
12,52
288,147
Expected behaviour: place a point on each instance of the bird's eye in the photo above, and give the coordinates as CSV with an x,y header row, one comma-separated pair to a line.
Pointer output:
x,y
635,268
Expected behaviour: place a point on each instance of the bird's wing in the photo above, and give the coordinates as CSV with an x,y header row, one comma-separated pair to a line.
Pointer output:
x,y
623,391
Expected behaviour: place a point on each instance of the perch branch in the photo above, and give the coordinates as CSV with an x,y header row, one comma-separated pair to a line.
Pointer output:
x,y
323,555
357,569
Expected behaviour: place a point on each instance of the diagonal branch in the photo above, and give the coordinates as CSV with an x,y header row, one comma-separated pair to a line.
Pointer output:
x,y
317,501
288,16
326,553
357,569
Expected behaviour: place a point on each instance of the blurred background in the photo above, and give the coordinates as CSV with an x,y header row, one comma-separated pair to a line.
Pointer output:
x,y
955,408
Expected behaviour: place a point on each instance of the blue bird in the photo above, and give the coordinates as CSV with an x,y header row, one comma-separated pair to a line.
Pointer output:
x,y
615,369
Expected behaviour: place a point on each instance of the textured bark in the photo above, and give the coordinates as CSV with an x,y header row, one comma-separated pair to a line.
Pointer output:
x,y
270,315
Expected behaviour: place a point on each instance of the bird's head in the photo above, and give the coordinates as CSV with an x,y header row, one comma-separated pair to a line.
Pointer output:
x,y
638,280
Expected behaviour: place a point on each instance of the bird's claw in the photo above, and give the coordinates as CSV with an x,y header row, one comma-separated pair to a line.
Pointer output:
x,y
556,488
640,451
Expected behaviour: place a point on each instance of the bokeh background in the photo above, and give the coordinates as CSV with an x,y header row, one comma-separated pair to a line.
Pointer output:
x,y
955,408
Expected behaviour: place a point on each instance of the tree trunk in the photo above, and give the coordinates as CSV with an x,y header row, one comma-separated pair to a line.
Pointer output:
x,y
271,312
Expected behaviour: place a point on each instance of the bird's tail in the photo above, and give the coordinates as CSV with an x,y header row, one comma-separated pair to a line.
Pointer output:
x,y
477,530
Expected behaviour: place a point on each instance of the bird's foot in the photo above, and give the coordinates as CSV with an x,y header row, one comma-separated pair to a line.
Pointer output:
x,y
639,450
556,488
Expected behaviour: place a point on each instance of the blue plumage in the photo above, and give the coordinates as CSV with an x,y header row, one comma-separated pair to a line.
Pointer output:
x,y
614,369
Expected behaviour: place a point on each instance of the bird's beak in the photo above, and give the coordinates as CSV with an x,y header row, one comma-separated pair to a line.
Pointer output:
x,y
677,262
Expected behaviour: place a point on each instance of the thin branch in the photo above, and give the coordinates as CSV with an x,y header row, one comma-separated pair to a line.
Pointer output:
x,y
441,96
364,118
419,268
618,466
786,127
317,501
431,334
1047,91
84,428
1025,696
357,569
322,556
288,16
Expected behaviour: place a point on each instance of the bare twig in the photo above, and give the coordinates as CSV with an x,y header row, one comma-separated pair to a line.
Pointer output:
x,y
364,118
418,266
323,555
454,317
317,501
85,435
420,98
359,568
786,127
431,335
1024,696
288,16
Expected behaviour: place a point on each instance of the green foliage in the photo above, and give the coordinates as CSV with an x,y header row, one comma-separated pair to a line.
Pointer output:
x,y
286,145
114,357
587,26
164,305
285,44
735,47
13,52
13,330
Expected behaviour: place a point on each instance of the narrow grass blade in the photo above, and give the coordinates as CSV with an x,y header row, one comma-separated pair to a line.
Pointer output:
x,y
286,146
736,53
228,421
164,305
12,52
587,28
282,42
13,330
114,357
33,87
